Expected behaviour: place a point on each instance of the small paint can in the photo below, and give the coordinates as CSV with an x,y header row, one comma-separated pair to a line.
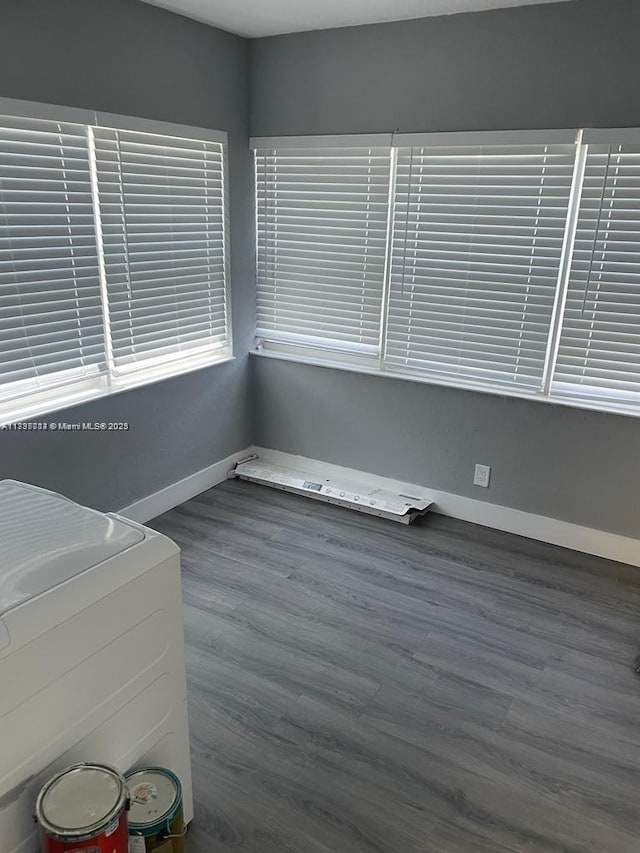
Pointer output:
x,y
156,820
84,810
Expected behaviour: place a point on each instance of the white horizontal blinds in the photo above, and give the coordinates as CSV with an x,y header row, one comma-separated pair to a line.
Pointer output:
x,y
477,239
50,308
162,219
321,233
599,352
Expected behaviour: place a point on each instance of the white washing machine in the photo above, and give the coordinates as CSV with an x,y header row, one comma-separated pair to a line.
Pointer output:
x,y
91,650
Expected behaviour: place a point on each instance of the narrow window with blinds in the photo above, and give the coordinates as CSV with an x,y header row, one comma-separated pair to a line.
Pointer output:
x,y
113,254
162,214
599,352
51,314
322,217
478,234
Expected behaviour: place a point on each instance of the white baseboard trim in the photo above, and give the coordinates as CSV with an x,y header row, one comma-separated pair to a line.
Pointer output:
x,y
165,499
612,546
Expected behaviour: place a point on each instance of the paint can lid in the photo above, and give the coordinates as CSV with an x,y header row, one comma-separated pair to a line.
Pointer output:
x,y
156,799
81,802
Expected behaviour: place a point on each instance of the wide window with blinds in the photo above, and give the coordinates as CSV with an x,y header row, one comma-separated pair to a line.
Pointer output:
x,y
113,254
322,214
507,262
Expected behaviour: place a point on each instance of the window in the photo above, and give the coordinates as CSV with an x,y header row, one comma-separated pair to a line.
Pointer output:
x,y
161,209
51,317
599,351
510,260
113,266
477,239
322,215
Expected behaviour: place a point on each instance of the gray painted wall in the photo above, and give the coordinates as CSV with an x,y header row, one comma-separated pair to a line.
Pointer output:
x,y
561,65
566,65
123,56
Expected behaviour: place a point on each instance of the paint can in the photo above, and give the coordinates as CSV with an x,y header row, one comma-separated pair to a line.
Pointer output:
x,y
156,820
84,810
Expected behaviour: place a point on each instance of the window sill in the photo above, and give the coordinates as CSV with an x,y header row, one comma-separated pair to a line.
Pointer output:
x,y
16,411
354,365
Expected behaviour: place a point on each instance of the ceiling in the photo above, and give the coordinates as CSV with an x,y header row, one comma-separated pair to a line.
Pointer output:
x,y
255,18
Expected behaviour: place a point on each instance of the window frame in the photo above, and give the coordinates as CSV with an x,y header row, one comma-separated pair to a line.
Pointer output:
x,y
297,351
65,391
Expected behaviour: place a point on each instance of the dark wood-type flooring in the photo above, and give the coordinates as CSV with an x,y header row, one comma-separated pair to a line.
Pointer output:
x,y
357,685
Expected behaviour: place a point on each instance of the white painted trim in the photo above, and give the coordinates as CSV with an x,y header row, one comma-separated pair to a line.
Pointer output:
x,y
165,499
486,137
164,128
612,136
601,543
50,112
357,140
77,115
587,540
384,140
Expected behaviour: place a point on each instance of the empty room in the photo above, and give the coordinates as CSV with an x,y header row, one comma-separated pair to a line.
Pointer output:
x,y
319,426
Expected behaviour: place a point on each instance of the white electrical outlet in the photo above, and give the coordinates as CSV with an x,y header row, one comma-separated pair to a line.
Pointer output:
x,y
481,476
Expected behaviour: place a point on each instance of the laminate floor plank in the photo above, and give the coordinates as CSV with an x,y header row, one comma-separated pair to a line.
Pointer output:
x,y
501,756
357,686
